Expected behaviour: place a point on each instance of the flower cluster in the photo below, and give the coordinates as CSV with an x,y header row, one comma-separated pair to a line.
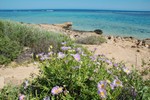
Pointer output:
x,y
102,89
43,56
103,84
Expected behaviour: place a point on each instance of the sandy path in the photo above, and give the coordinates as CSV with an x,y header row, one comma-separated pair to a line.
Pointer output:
x,y
17,75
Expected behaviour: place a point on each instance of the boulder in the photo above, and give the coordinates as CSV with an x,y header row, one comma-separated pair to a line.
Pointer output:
x,y
98,31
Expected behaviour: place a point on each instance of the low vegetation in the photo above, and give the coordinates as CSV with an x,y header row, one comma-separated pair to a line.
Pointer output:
x,y
75,73
91,40
15,36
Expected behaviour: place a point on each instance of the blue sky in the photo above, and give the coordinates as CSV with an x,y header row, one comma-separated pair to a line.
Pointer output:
x,y
76,4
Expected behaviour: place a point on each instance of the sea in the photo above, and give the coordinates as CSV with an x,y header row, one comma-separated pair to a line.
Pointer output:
x,y
111,22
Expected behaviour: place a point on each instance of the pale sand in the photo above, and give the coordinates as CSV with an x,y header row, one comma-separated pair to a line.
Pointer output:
x,y
17,75
122,51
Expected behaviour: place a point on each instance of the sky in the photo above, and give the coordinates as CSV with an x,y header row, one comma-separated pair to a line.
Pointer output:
x,y
139,5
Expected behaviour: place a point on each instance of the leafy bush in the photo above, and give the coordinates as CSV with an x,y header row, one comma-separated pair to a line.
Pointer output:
x,y
91,40
9,50
24,35
1,28
75,73
35,37
9,92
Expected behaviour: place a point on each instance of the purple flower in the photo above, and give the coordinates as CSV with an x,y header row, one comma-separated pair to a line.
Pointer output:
x,y
93,58
95,49
63,43
117,83
65,48
112,85
40,54
50,53
115,65
102,93
127,71
77,57
102,85
46,57
61,55
42,58
108,62
22,97
56,90
46,98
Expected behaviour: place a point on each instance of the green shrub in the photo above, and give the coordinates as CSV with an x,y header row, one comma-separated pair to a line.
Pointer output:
x,y
91,40
77,74
9,50
24,35
1,28
36,38
9,92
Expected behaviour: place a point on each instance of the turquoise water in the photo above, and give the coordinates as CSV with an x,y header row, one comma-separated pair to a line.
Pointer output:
x,y
118,23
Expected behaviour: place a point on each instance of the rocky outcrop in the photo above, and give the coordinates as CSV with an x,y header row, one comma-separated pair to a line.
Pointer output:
x,y
98,31
66,28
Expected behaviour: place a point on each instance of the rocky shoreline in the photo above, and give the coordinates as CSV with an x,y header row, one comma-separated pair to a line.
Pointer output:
x,y
65,28
127,49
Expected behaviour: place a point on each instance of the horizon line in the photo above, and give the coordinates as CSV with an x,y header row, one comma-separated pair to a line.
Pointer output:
x,y
73,9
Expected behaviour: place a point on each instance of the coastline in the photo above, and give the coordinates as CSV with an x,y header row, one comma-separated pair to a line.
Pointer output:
x,y
128,50
65,28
